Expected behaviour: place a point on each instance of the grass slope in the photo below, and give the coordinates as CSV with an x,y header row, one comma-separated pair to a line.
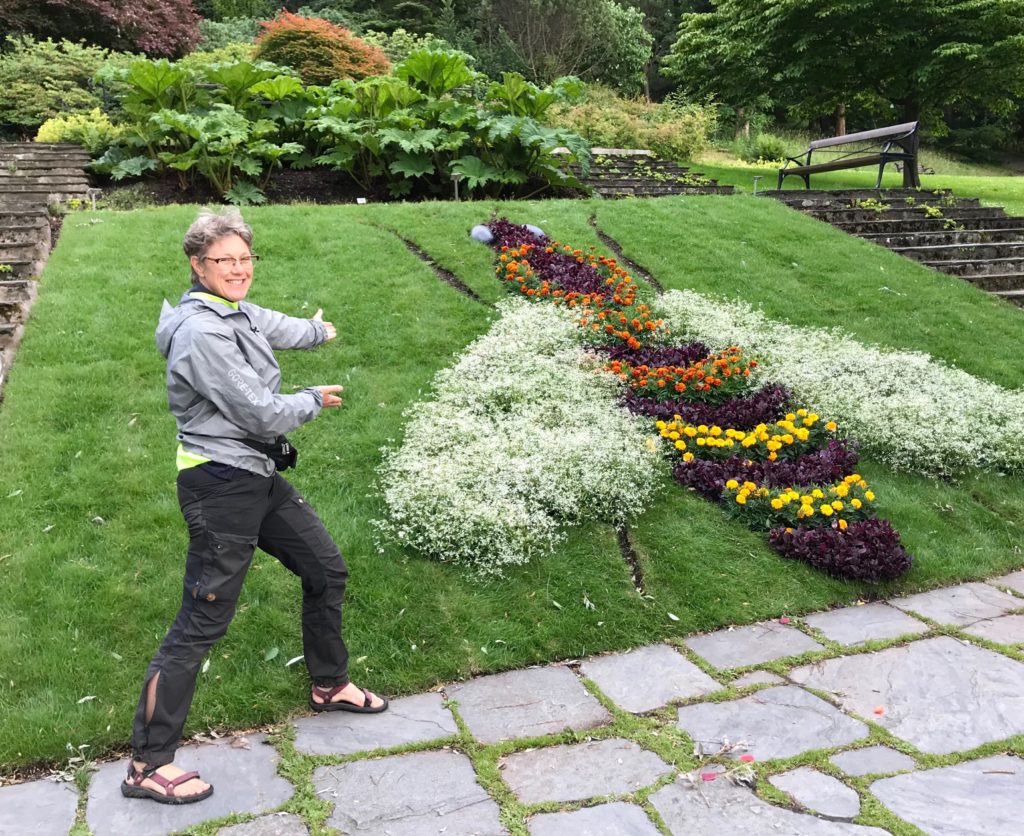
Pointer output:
x,y
85,434
1005,191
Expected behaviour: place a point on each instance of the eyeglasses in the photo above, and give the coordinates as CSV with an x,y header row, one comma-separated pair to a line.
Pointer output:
x,y
231,261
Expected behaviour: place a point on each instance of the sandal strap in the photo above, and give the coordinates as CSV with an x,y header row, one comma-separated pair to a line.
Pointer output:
x,y
169,785
328,694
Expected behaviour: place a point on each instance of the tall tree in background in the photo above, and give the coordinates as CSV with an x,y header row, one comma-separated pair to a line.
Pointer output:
x,y
156,27
902,59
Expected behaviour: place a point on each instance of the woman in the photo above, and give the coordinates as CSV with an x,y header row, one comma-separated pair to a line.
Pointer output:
x,y
223,388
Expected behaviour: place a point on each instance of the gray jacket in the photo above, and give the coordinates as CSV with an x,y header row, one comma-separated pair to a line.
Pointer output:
x,y
223,380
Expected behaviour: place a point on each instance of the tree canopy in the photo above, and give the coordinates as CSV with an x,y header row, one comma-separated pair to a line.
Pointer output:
x,y
898,59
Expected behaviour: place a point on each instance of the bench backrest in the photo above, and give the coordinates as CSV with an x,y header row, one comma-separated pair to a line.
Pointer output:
x,y
893,132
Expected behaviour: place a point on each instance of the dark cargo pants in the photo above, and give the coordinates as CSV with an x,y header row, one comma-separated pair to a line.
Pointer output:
x,y
227,518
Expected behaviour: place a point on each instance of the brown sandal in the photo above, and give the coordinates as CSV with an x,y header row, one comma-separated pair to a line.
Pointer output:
x,y
328,694
132,787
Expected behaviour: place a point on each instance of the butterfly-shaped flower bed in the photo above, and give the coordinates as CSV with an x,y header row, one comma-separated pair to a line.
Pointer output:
x,y
735,436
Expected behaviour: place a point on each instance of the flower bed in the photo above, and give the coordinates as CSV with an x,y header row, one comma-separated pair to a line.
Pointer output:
x,y
905,408
736,436
521,438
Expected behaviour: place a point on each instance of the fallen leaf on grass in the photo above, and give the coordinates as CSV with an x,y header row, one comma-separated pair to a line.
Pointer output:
x,y
673,616
299,658
239,743
89,698
271,654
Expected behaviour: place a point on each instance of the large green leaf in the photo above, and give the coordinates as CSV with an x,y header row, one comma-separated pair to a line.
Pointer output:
x,y
411,165
475,171
435,72
132,167
411,141
237,80
278,88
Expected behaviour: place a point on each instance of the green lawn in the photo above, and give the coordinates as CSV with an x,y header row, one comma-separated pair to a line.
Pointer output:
x,y
85,434
1005,191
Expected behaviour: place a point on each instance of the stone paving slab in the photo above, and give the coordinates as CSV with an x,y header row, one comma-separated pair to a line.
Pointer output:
x,y
276,824
948,801
773,723
617,819
1014,580
245,781
757,678
1007,629
819,792
960,605
578,771
415,719
647,678
870,622
939,694
526,703
42,808
721,808
872,760
408,795
751,645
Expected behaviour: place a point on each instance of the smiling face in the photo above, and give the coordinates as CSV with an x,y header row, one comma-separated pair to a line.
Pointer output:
x,y
231,279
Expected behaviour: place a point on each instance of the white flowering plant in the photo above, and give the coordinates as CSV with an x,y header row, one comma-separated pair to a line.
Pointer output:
x,y
522,437
904,408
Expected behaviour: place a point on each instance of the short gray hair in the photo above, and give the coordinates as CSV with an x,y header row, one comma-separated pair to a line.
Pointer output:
x,y
209,227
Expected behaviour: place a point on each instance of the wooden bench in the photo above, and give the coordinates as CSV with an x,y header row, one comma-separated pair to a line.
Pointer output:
x,y
881,146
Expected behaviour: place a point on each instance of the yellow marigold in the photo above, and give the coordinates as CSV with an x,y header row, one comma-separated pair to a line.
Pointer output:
x,y
687,457
842,489
869,496
825,510
749,486
689,431
805,511
674,435
777,504
741,498
831,426
838,505
680,445
802,413
715,431
856,503
732,484
790,416
660,425
702,428
842,525
817,494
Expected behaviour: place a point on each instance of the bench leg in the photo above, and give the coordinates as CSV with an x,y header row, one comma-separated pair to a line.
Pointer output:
x,y
782,175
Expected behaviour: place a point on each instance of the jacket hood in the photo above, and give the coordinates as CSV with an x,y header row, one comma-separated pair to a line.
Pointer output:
x,y
172,318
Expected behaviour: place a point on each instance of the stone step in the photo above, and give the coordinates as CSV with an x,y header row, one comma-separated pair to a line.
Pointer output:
x,y
899,202
997,282
946,237
33,167
59,176
969,268
962,252
21,235
20,268
29,200
20,250
868,215
926,225
1014,296
797,195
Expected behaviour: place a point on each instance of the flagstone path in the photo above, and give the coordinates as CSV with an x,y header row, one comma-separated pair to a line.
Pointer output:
x,y
920,731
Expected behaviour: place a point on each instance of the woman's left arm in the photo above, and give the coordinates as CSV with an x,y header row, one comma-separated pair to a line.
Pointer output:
x,y
283,331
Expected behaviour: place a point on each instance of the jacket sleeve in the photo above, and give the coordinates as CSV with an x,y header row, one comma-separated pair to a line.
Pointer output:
x,y
222,375
283,331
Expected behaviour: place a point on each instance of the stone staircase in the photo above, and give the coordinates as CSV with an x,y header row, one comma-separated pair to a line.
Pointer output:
x,y
32,175
618,172
982,245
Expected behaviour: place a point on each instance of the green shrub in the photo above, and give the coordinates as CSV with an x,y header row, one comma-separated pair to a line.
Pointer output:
x,y
41,79
232,53
672,129
214,34
94,130
766,147
398,45
126,198
319,51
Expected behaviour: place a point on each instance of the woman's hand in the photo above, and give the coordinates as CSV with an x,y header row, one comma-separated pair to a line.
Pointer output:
x,y
332,332
330,399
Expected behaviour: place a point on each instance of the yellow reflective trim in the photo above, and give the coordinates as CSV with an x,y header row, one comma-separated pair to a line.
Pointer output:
x,y
209,297
186,459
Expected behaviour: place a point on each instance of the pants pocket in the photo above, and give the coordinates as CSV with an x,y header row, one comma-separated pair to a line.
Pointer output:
x,y
225,562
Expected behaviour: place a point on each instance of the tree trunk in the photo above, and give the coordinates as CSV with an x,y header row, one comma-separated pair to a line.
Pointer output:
x,y
742,124
841,120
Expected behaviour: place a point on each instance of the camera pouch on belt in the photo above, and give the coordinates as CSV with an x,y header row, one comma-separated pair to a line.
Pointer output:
x,y
280,451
